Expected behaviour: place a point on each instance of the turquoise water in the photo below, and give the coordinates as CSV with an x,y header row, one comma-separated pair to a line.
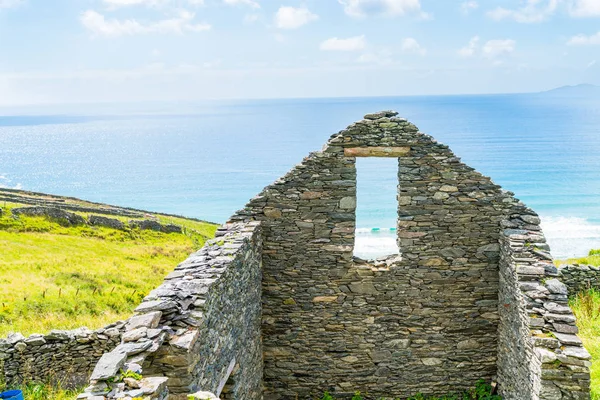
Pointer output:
x,y
207,159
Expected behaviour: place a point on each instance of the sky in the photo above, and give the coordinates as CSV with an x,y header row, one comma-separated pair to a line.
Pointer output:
x,y
79,51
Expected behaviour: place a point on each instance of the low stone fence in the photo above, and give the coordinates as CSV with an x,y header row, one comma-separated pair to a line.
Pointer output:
x,y
579,278
61,356
199,330
539,354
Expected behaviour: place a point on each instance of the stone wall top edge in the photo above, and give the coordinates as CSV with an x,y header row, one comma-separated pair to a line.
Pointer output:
x,y
205,265
60,334
578,267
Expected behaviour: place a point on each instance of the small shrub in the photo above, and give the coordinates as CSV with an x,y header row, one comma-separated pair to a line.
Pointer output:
x,y
327,396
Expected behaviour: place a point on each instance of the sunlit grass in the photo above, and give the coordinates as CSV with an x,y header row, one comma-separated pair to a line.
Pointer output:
x,y
586,307
47,392
56,277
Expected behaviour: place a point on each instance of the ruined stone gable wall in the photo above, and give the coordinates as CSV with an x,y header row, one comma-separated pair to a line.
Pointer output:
x,y
200,328
426,323
539,354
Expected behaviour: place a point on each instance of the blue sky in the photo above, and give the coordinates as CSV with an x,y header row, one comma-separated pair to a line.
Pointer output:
x,y
68,51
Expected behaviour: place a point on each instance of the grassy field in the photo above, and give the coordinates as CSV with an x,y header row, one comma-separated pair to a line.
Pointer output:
x,y
64,277
586,307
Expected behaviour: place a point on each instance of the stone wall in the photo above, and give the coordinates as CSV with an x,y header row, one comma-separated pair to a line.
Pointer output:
x,y
60,356
540,356
199,330
579,277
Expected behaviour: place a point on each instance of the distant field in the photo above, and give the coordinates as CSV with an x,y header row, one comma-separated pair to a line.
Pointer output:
x,y
64,277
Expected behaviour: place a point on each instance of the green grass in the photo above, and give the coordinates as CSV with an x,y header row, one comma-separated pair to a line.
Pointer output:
x,y
56,277
586,307
46,392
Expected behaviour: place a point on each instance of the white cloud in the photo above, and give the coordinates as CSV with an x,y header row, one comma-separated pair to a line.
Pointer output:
x,y
468,6
293,18
582,40
350,44
532,11
410,45
498,47
585,8
391,8
470,49
99,25
10,3
590,64
250,3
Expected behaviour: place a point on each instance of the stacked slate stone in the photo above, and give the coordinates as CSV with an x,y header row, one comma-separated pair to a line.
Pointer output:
x,y
580,277
65,356
540,355
215,295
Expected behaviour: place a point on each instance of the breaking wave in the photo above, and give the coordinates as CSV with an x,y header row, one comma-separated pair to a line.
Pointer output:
x,y
571,236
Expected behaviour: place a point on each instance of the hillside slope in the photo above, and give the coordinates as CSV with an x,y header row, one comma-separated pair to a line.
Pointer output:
x,y
67,263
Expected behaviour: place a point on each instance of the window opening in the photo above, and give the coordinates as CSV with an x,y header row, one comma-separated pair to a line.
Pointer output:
x,y
376,207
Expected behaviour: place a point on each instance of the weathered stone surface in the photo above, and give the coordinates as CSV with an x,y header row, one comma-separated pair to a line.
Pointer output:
x,y
577,352
376,151
147,320
108,365
556,286
135,334
156,305
546,356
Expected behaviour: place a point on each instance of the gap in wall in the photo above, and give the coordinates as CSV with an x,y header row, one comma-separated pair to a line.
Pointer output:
x,y
376,207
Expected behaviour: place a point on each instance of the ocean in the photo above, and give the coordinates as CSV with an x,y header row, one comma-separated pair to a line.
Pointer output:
x,y
206,159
